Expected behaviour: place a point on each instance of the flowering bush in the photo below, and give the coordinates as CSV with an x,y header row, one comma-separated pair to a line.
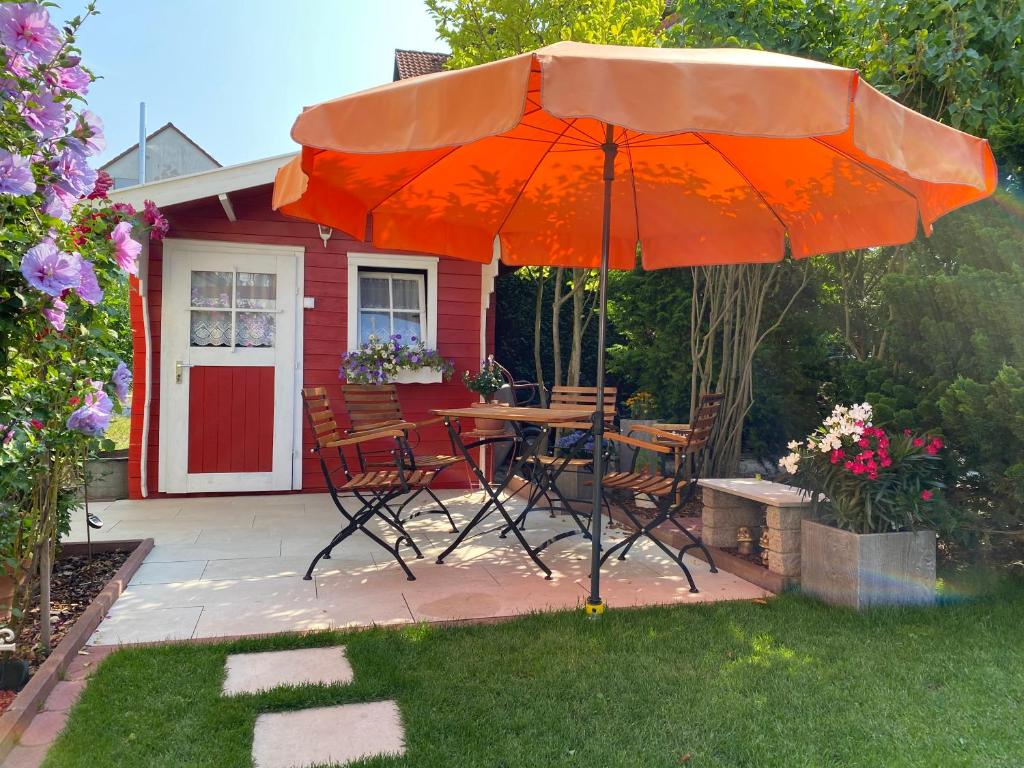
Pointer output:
x,y
642,405
63,247
379,361
486,381
869,481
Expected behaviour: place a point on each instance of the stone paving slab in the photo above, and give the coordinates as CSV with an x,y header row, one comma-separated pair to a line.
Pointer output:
x,y
327,735
255,672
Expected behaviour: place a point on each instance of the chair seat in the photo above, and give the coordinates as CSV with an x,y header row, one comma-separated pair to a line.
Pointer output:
x,y
639,482
383,481
435,462
549,460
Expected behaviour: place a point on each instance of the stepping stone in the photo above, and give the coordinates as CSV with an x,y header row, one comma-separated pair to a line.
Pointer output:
x,y
327,735
255,672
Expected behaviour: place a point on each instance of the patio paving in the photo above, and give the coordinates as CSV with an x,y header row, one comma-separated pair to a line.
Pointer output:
x,y
228,566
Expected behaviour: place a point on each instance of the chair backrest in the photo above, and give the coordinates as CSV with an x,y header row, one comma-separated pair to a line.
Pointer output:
x,y
371,406
703,422
320,416
584,397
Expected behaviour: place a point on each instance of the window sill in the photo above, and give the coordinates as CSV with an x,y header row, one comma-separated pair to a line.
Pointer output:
x,y
419,376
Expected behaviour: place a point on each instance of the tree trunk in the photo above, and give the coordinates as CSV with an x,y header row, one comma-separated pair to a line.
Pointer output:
x,y
556,332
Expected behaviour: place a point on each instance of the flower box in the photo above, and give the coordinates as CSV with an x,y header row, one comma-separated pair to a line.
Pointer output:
x,y
418,376
861,570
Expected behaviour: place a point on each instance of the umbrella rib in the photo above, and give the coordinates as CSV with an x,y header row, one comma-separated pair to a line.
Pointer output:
x,y
414,177
526,182
579,146
868,168
746,179
562,133
636,197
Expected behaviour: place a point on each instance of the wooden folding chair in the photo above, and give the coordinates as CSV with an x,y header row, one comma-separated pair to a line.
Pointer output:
x,y
376,406
371,489
544,478
669,492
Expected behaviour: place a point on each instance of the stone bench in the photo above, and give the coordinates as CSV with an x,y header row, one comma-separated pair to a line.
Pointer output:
x,y
729,503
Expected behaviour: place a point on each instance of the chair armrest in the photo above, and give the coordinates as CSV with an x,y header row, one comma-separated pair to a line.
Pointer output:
x,y
636,443
365,437
426,422
664,434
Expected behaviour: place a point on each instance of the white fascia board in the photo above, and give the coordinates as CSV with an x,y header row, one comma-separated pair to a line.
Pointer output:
x,y
196,186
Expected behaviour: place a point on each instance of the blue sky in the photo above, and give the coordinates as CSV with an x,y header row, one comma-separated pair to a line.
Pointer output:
x,y
233,74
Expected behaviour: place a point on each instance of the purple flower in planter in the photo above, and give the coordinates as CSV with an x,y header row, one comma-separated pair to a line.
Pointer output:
x,y
55,313
26,29
126,250
50,270
122,381
93,417
15,175
44,115
88,286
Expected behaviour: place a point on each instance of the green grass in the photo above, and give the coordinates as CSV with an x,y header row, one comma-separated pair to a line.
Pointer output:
x,y
118,431
785,683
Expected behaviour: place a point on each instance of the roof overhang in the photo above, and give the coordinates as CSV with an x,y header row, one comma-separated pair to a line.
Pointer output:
x,y
196,186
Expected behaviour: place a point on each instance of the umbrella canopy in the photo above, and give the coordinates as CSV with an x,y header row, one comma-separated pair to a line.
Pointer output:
x,y
696,157
723,154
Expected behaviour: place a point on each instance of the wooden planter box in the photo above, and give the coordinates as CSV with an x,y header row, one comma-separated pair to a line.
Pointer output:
x,y
863,570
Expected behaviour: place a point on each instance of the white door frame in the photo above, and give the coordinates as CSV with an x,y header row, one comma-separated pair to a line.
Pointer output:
x,y
172,454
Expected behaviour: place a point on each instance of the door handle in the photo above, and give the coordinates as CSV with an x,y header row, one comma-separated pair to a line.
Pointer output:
x,y
178,367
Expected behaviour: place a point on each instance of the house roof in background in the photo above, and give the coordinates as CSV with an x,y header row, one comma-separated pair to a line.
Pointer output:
x,y
414,63
153,135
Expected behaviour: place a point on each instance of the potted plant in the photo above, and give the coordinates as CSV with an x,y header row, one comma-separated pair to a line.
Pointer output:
x,y
384,361
642,409
486,382
878,502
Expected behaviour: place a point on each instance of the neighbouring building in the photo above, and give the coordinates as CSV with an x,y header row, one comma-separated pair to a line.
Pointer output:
x,y
169,153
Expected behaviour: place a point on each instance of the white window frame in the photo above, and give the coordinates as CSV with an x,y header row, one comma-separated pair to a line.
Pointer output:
x,y
387,263
419,277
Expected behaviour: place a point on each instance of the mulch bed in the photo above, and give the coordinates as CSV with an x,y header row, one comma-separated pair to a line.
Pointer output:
x,y
75,584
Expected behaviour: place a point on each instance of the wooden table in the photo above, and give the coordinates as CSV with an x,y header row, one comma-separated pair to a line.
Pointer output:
x,y
523,452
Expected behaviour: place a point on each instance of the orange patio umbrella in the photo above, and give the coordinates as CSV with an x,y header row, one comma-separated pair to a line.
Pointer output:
x,y
689,157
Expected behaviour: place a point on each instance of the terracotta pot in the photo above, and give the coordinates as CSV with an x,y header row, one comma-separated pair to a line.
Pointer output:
x,y
489,425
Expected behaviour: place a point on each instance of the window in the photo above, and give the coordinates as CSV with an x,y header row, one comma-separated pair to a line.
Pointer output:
x,y
232,309
392,294
391,303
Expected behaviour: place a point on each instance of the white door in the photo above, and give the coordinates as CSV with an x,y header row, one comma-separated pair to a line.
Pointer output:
x,y
228,367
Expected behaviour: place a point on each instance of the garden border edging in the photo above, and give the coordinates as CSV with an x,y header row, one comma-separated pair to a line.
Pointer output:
x,y
31,698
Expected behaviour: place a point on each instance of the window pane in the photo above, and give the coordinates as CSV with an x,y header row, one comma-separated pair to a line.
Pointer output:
x,y
211,289
373,293
254,329
374,324
210,329
406,293
256,290
408,324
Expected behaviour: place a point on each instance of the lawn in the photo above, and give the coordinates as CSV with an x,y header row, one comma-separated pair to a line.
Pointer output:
x,y
786,682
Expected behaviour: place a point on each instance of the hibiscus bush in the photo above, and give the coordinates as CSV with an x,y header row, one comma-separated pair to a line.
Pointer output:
x,y
63,247
867,480
378,361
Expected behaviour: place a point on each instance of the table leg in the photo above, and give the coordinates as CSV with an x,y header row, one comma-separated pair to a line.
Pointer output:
x,y
494,499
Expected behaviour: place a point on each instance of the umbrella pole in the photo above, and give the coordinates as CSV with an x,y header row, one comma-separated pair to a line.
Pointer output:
x,y
595,605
